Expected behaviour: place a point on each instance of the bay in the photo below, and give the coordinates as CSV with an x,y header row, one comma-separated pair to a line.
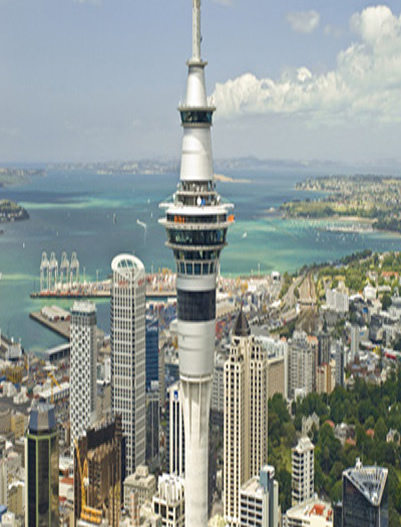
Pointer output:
x,y
74,210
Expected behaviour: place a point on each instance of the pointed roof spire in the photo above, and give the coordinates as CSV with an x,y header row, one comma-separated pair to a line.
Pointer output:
x,y
241,326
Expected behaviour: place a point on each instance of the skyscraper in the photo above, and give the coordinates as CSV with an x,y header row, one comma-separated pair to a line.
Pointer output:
x,y
152,350
83,368
175,437
196,224
340,363
245,416
41,507
365,496
97,473
127,339
303,470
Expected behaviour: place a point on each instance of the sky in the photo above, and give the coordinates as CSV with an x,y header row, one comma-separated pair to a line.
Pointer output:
x,y
300,80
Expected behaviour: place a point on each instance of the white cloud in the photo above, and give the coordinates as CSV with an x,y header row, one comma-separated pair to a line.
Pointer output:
x,y
332,31
365,85
303,21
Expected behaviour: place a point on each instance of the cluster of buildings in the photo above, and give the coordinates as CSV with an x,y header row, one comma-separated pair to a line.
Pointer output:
x,y
94,451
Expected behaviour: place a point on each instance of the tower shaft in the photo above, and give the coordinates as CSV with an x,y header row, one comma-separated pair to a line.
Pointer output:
x,y
196,223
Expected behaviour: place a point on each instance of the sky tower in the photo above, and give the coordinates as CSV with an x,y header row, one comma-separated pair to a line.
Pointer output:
x,y
196,224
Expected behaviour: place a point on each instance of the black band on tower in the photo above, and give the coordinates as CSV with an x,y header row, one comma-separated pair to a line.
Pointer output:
x,y
196,306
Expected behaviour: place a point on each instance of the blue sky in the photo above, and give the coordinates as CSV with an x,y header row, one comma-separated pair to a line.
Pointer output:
x,y
297,79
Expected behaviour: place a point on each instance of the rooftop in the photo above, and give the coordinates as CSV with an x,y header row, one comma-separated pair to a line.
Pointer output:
x,y
370,481
315,511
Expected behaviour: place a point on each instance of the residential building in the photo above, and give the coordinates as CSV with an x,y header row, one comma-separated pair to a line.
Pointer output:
x,y
245,415
217,403
354,342
325,377
323,348
277,354
301,365
337,301
142,484
310,513
127,340
42,467
303,471
340,363
259,500
83,386
169,502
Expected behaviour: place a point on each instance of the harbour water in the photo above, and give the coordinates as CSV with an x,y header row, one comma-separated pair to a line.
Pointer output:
x,y
99,216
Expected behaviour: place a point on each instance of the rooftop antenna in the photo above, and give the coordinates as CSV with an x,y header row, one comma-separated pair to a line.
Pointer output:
x,y
196,30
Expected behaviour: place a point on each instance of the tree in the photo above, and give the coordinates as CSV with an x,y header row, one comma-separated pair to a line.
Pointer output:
x,y
380,430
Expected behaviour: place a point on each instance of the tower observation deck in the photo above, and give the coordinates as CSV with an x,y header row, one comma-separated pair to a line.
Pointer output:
x,y
196,224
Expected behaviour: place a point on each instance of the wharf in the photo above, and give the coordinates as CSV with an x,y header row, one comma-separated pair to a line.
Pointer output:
x,y
61,327
150,293
71,294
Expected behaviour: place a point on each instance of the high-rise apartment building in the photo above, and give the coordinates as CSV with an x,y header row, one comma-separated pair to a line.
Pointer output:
x,y
196,224
259,500
245,416
354,342
323,348
127,339
340,363
365,497
41,462
303,470
83,386
301,365
175,436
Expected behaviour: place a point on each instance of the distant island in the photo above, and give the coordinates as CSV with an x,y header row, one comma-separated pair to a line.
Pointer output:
x,y
11,211
18,176
370,199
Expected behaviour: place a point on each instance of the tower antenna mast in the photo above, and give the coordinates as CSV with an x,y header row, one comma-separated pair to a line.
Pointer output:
x,y
196,30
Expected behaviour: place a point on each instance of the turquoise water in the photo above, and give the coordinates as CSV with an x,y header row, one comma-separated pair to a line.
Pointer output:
x,y
73,211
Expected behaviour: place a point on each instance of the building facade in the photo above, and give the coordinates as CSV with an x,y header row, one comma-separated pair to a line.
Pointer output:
x,y
140,483
42,480
365,497
127,340
301,365
83,386
303,471
169,502
97,473
245,416
259,500
175,434
152,350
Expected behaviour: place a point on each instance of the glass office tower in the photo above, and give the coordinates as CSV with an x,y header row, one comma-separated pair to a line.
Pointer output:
x,y
42,468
